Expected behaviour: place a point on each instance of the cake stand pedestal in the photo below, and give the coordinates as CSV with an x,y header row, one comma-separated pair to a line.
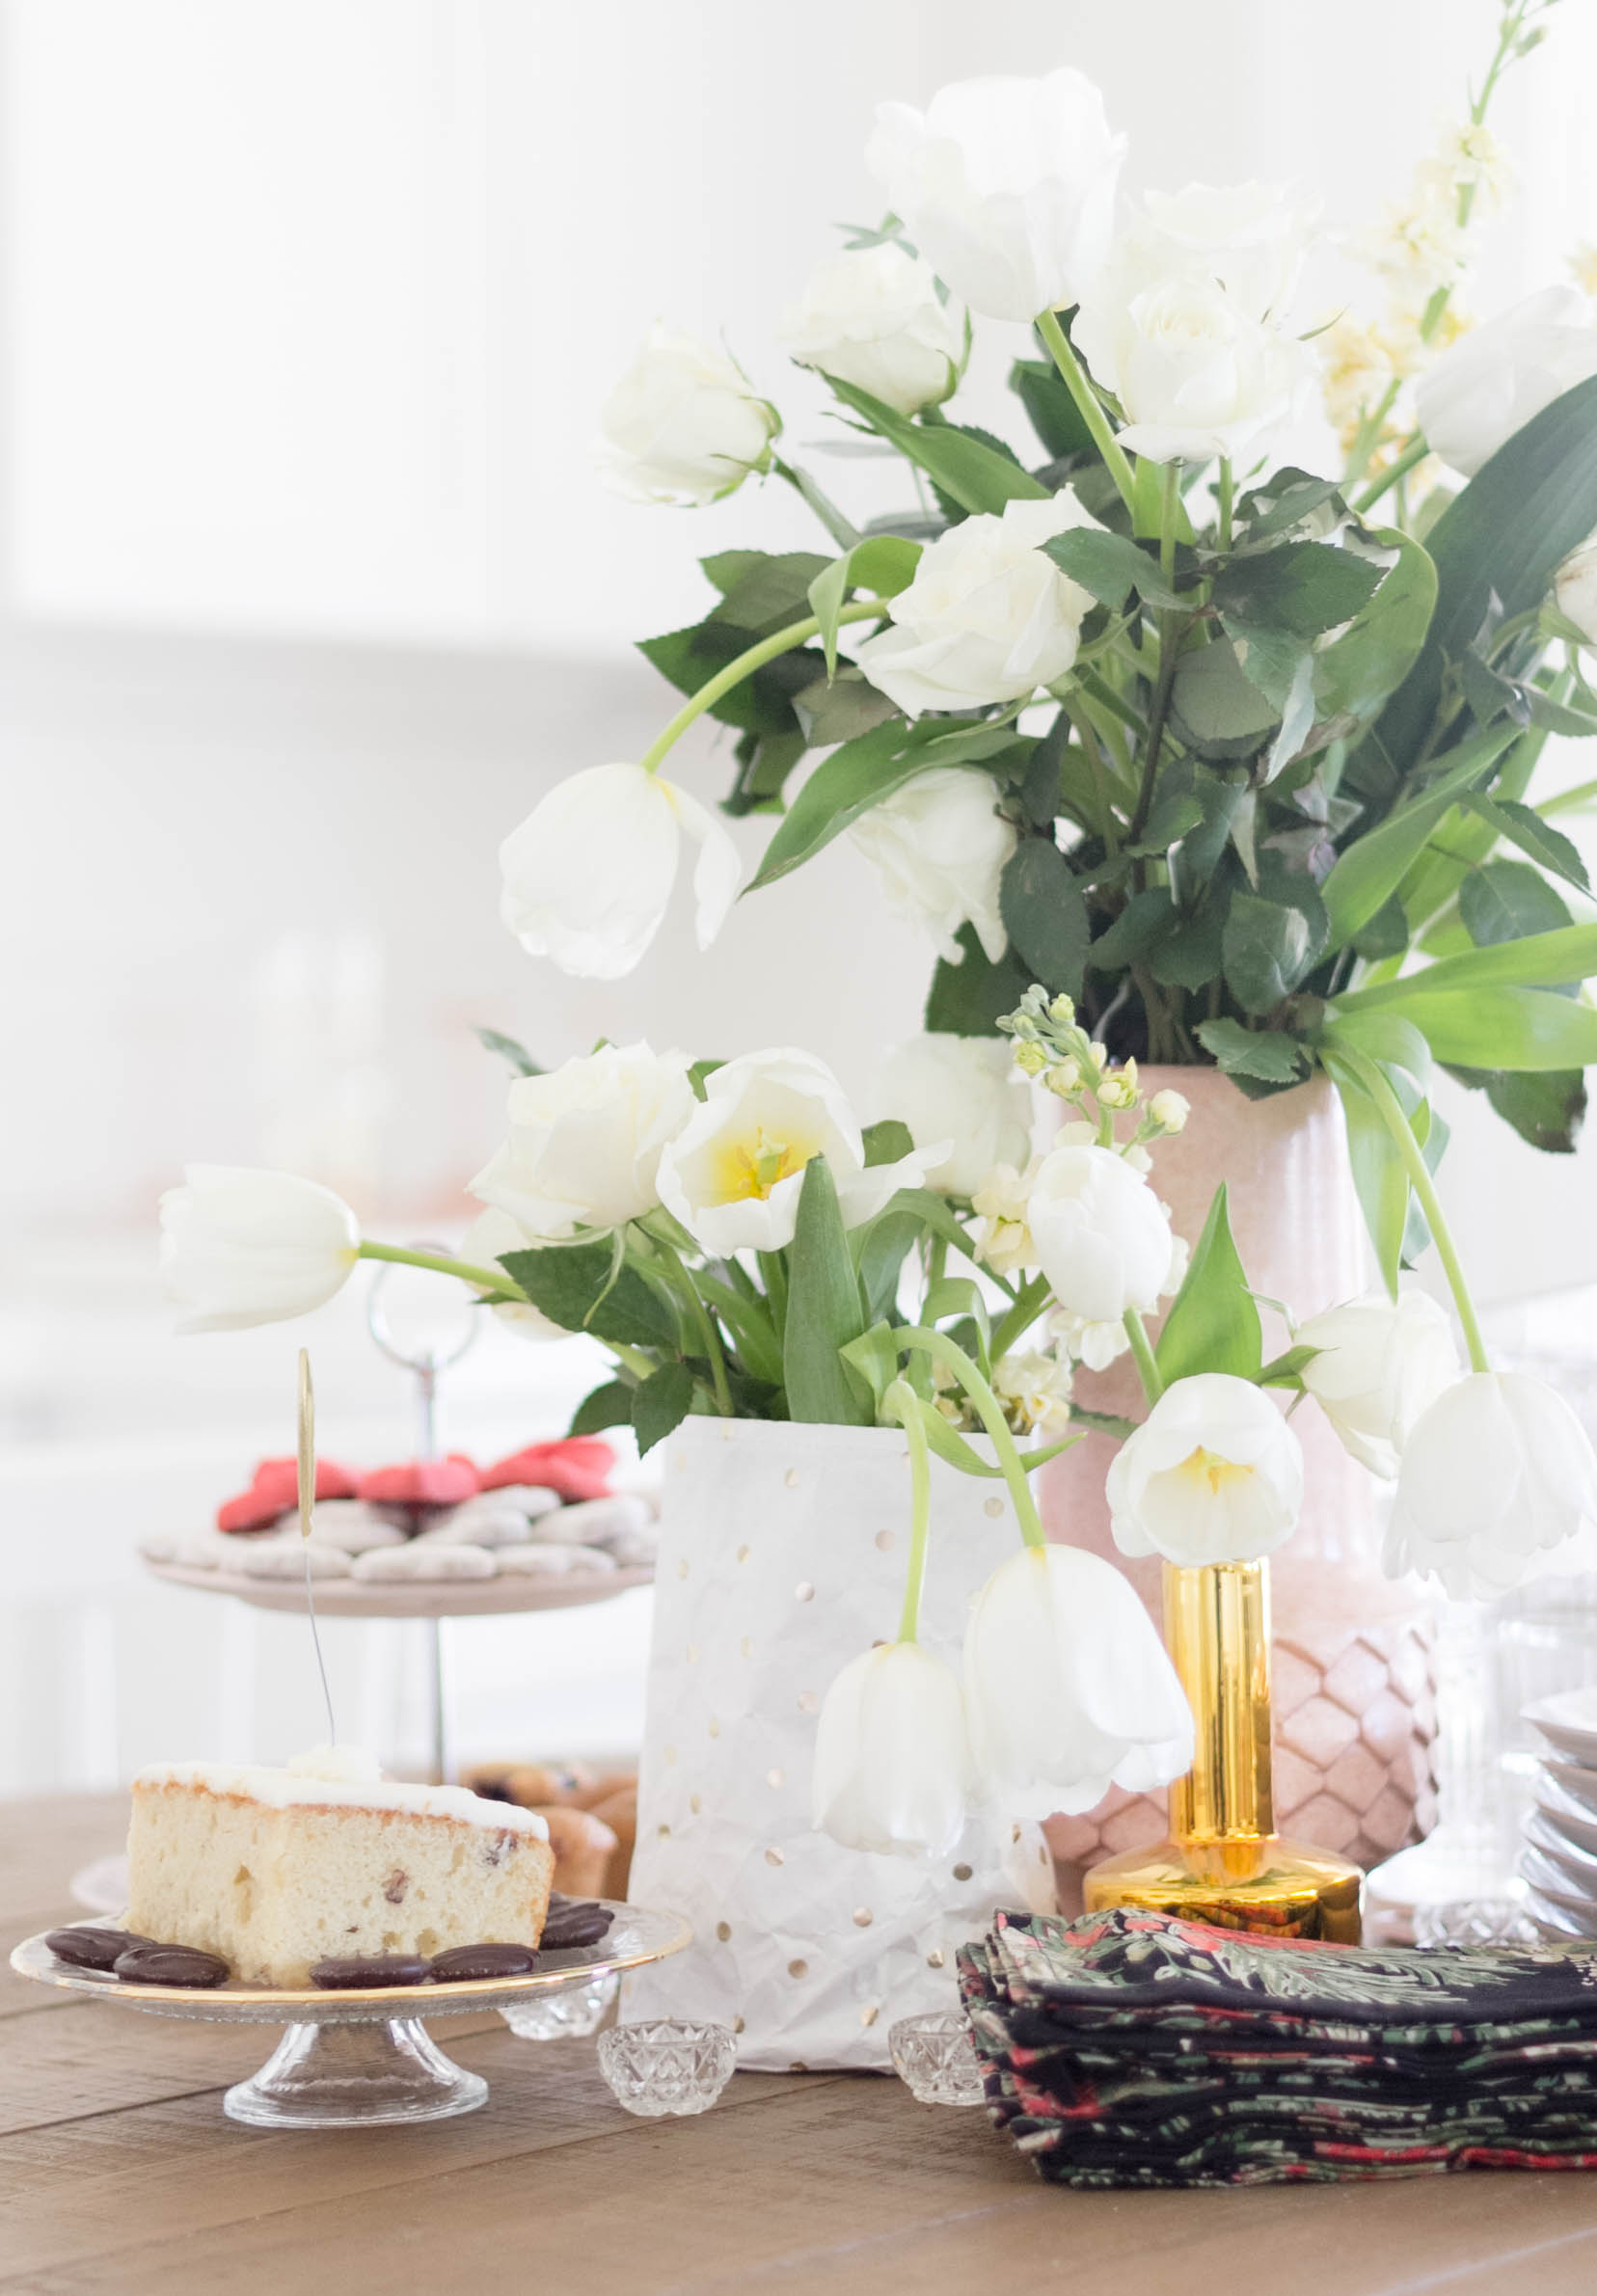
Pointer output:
x,y
329,2076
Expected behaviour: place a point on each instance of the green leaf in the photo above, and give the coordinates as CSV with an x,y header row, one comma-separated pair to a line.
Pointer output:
x,y
1045,915
1355,674
1215,706
883,565
1525,827
1546,1108
884,1247
968,999
839,709
581,1288
1213,1321
874,1356
1144,921
763,763
1387,933
1287,1370
751,1323
1287,499
761,704
1110,566
1262,1053
1387,1037
1052,411
493,1040
1500,1028
1304,587
661,1403
1369,872
824,1311
976,476
1267,948
607,1406
763,592
886,1142
1378,1173
1505,901
864,772
1538,960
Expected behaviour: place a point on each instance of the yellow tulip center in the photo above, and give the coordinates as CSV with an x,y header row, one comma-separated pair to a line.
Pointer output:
x,y
754,1165
1207,1467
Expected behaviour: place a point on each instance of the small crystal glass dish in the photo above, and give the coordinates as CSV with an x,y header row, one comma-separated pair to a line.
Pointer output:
x,y
935,2057
569,2014
663,2066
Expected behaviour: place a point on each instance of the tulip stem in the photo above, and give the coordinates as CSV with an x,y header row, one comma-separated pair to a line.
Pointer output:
x,y
698,1314
906,1406
781,642
496,1281
953,1357
1088,404
1147,1370
1224,493
1414,453
1390,1108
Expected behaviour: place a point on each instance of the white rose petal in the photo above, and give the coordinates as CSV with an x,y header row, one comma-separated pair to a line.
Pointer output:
x,y
683,425
939,846
872,317
1494,379
586,1141
241,1247
1252,237
964,1090
1213,1474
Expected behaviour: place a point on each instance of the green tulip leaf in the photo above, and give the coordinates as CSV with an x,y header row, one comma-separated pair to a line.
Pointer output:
x,y
824,1311
1213,1321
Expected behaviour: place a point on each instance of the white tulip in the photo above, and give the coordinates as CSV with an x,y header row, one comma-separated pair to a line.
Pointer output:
x,y
1007,186
1102,1237
587,876
987,618
964,1090
1069,1690
1213,1474
1496,1475
1384,1362
873,317
241,1247
586,1141
734,1173
1575,590
1252,237
939,846
490,1236
892,1768
683,425
1494,379
1195,372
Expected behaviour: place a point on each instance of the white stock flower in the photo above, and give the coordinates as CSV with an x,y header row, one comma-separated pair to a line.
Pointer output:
x,y
1252,237
586,1141
966,1090
1069,1690
1034,1388
1496,378
892,1767
241,1247
1102,1236
939,846
1420,244
1384,1362
683,425
1213,1474
1002,1235
1575,590
1475,158
1196,373
1496,1475
490,1236
1170,1110
589,874
1007,186
872,317
987,618
734,1173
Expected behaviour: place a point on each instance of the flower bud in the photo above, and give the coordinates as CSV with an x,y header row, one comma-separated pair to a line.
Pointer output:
x,y
1062,1008
1170,1110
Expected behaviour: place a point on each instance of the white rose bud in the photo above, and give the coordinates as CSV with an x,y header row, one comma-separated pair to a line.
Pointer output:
x,y
872,317
240,1248
586,1141
962,1093
1007,186
939,846
1575,590
683,425
892,1764
1213,1474
1384,1362
1497,1476
1494,379
1102,1237
987,618
1252,237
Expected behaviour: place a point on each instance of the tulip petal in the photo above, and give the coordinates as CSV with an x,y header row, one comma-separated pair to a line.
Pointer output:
x,y
717,872
586,877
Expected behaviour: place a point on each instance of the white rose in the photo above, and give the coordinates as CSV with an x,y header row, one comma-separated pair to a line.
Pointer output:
x,y
966,1090
987,618
1252,237
586,1141
587,876
1384,1362
734,1173
1494,379
1575,590
1196,373
1496,1475
1213,1474
241,1247
939,846
1068,1687
873,317
683,425
892,1767
1102,1236
1007,186
490,1236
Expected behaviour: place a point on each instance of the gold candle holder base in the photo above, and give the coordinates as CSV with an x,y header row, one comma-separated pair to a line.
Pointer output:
x,y
1269,1886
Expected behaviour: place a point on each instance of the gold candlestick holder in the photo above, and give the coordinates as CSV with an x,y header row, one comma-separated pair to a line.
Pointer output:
x,y
1224,1862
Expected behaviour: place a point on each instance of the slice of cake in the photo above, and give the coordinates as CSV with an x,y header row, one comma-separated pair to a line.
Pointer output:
x,y
276,1870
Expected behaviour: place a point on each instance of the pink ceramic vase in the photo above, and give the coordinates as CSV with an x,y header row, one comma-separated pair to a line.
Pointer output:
x,y
1354,1693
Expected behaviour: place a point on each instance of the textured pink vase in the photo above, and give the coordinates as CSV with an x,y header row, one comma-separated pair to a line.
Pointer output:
x,y
1353,1677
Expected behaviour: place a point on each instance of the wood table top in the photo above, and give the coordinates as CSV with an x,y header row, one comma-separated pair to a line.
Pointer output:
x,y
118,2172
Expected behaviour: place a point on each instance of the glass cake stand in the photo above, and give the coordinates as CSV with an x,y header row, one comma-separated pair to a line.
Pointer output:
x,y
355,2060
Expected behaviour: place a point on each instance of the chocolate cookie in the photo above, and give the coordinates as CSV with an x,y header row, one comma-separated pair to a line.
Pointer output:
x,y
87,1947
483,1960
363,1970
146,1964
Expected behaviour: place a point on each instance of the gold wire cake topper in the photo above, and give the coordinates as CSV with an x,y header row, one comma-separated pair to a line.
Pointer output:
x,y
307,1506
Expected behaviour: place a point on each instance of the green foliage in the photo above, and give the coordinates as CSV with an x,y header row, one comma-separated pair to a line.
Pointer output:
x,y
886,1142
1505,901
882,565
1044,914
1111,566
968,999
864,772
514,1054
824,1312
1050,410
602,1407
1264,1054
1304,588
661,1403
1216,708
977,475
589,1287
1213,1321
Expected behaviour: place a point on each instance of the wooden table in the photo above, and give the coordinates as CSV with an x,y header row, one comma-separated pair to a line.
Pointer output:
x,y
118,2172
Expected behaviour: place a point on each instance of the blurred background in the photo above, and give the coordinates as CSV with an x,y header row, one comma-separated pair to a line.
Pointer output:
x,y
307,591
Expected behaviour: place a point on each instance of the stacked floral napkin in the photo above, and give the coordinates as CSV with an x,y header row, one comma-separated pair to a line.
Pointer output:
x,y
1128,2048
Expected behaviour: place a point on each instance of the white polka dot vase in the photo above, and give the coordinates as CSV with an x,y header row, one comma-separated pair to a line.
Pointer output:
x,y
782,1556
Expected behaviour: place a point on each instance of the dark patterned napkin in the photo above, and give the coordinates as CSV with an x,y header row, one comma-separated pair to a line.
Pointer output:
x,y
1128,2048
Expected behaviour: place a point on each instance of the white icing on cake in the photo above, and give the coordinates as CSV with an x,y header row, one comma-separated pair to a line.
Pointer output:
x,y
346,1776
